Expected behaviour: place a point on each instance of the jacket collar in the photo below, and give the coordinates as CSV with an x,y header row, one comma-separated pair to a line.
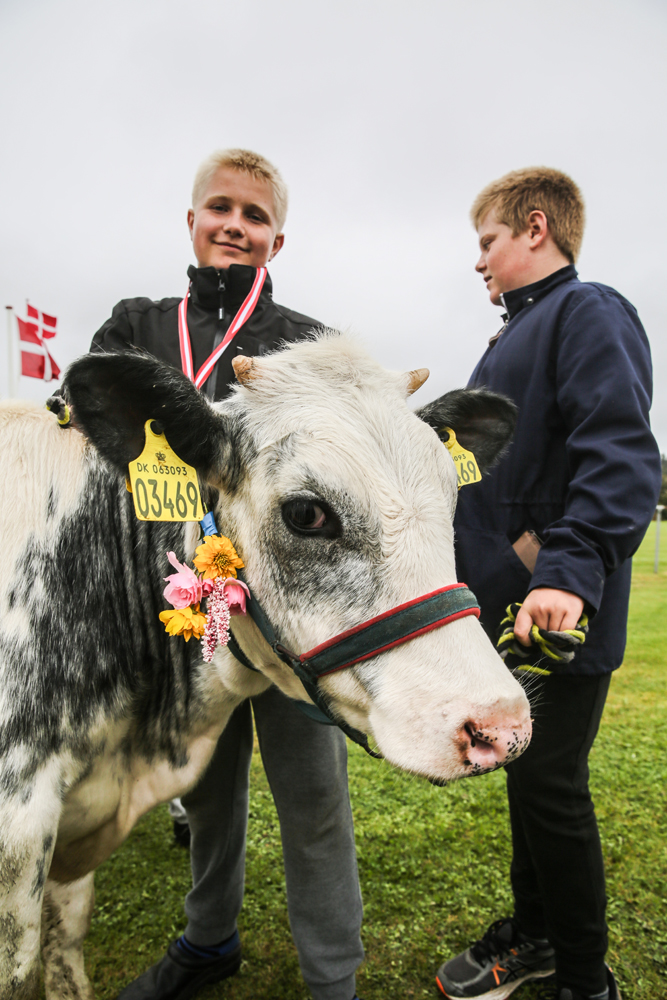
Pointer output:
x,y
236,282
519,298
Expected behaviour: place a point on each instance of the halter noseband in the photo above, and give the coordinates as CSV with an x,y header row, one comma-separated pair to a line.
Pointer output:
x,y
370,638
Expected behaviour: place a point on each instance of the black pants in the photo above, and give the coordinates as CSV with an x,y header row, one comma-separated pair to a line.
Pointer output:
x,y
557,871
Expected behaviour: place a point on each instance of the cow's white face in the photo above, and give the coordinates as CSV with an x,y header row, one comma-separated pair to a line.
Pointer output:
x,y
344,510
340,501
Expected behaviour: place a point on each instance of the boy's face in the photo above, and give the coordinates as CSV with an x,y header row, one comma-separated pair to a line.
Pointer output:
x,y
234,222
506,261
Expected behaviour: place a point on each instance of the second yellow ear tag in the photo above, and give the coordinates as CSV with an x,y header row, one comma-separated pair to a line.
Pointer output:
x,y
467,469
163,487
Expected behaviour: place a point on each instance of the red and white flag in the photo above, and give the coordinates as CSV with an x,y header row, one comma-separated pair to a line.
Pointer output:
x,y
36,362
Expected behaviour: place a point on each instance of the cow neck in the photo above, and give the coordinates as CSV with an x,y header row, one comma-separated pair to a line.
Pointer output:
x,y
232,292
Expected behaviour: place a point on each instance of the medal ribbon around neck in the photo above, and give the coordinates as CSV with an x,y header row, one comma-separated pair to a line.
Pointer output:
x,y
244,313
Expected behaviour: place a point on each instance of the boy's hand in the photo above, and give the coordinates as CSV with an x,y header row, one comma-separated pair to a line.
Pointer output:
x,y
552,610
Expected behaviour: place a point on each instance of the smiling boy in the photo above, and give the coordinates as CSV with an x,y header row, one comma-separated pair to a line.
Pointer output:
x,y
218,240
554,526
236,224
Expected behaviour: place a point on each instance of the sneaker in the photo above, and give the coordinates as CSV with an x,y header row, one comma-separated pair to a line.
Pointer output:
x,y
555,992
495,966
180,975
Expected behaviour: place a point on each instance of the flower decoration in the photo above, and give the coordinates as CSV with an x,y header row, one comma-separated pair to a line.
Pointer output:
x,y
217,621
216,561
187,622
235,592
184,587
216,556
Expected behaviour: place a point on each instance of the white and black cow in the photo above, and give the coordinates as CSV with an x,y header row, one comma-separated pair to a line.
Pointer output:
x,y
340,501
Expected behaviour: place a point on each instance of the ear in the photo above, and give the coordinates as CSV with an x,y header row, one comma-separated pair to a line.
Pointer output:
x,y
538,228
113,395
483,421
277,246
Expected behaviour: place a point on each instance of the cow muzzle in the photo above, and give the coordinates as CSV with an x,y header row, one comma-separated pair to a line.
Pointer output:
x,y
488,743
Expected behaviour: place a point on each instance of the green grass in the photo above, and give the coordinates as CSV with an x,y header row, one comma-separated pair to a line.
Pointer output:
x,y
433,862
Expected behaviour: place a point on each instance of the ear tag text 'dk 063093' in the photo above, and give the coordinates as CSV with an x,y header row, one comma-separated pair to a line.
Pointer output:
x,y
467,469
163,486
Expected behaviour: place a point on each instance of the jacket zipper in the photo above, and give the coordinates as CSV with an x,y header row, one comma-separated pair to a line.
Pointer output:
x,y
212,380
221,292
505,318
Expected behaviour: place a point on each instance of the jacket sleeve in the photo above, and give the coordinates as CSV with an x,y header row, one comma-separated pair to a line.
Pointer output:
x,y
114,335
603,389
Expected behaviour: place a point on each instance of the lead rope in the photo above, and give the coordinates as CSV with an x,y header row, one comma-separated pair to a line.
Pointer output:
x,y
557,646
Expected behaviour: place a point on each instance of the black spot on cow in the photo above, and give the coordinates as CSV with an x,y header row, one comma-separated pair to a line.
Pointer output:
x,y
41,866
12,863
51,504
345,572
94,642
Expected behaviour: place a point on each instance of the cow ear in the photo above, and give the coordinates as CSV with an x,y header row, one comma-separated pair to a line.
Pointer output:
x,y
483,421
113,395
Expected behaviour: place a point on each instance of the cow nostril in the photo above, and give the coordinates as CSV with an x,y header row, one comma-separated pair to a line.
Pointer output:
x,y
476,735
472,732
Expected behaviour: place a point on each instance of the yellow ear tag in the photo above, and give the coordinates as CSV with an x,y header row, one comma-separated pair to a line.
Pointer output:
x,y
163,487
467,469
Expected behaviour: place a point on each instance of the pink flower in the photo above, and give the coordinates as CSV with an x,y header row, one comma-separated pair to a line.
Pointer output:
x,y
216,632
235,591
183,588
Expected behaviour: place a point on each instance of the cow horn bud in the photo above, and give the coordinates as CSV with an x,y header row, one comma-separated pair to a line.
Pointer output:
x,y
416,379
246,369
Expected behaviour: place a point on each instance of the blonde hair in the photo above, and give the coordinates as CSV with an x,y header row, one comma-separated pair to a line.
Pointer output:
x,y
245,162
543,189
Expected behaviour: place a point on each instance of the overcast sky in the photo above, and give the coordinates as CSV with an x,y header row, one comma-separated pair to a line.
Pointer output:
x,y
386,118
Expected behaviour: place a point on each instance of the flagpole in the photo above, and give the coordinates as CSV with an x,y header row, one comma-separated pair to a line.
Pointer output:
x,y
11,371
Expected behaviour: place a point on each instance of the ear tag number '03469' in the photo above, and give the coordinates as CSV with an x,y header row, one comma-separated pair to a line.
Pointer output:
x,y
163,487
467,469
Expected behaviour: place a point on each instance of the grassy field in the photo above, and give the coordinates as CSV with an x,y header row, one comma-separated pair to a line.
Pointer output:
x,y
433,861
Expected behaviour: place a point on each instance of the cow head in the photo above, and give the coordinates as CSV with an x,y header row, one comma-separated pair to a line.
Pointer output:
x,y
340,501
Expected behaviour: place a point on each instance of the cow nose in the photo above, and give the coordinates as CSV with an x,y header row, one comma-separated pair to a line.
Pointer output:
x,y
486,747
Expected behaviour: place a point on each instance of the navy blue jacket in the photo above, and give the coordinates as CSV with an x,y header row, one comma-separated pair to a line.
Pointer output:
x,y
583,469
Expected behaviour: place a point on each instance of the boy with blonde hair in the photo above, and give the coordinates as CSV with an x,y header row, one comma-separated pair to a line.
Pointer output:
x,y
553,528
239,204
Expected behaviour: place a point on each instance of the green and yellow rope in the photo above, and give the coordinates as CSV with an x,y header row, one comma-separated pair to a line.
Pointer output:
x,y
559,647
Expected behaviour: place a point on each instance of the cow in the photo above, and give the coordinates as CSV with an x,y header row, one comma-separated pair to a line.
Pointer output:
x,y
339,500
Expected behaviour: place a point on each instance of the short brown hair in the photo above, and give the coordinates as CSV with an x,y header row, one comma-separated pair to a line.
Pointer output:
x,y
521,192
247,162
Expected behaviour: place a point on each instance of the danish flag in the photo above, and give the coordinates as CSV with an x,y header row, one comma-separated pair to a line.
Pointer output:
x,y
36,362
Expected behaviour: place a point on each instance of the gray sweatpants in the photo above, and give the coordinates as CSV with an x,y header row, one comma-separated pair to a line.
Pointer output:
x,y
306,765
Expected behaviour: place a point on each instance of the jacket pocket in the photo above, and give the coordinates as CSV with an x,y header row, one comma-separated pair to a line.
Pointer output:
x,y
488,564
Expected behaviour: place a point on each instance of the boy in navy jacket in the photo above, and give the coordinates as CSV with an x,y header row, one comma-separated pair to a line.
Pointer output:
x,y
554,526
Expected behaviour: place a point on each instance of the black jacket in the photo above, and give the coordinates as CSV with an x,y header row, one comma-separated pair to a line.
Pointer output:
x,y
153,326
583,469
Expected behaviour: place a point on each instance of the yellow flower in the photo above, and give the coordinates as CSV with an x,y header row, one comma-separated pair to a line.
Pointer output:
x,y
187,622
217,557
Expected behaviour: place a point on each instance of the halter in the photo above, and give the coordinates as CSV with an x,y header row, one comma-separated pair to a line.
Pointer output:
x,y
370,638
361,642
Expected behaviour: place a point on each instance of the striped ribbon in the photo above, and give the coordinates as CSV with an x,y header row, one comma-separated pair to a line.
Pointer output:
x,y
244,314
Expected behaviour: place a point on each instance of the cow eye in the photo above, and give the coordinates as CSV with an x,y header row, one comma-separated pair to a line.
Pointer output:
x,y
305,517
